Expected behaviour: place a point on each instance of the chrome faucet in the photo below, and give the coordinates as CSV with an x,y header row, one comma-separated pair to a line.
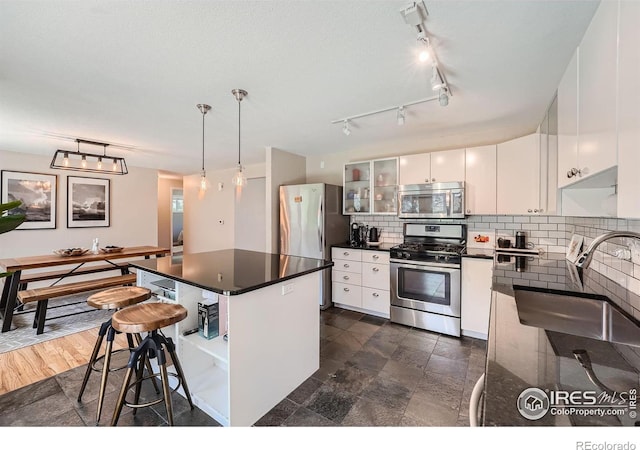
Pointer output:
x,y
585,258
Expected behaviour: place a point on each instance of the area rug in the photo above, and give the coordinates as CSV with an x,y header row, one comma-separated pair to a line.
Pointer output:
x,y
22,334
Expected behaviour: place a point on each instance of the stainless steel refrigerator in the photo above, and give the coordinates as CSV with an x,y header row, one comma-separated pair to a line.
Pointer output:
x,y
311,221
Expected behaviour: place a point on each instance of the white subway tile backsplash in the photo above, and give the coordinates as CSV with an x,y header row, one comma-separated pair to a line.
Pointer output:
x,y
551,234
539,219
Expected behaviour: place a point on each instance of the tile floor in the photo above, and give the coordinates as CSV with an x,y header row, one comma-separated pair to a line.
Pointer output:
x,y
372,373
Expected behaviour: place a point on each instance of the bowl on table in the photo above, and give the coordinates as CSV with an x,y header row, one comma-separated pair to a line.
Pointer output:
x,y
75,251
111,249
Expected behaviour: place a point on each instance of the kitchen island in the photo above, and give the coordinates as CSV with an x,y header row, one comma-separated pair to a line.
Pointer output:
x,y
521,356
269,306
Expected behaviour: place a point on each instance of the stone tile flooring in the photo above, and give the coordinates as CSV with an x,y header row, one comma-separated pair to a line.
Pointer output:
x,y
372,373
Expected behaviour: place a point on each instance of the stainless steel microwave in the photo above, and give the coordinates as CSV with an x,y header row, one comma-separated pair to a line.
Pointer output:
x,y
433,200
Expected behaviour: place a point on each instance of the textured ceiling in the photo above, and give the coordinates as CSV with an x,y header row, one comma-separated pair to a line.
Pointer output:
x,y
132,73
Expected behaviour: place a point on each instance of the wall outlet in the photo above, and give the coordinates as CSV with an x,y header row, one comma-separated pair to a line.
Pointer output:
x,y
287,289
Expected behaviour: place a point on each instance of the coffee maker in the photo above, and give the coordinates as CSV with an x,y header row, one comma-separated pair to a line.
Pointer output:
x,y
358,236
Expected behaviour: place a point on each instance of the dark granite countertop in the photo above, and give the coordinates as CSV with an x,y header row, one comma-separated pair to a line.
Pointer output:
x,y
384,247
232,271
521,356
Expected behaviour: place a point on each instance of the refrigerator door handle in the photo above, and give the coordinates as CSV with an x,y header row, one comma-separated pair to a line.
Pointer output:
x,y
320,229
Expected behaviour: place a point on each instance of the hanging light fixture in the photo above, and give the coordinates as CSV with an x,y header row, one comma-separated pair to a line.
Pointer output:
x,y
204,109
239,179
88,162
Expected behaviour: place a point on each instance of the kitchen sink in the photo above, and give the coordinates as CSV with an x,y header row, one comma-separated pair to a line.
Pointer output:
x,y
580,314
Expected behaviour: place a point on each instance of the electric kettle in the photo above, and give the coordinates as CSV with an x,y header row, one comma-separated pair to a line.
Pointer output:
x,y
373,234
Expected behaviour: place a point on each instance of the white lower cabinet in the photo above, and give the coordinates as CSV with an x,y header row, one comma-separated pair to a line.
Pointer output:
x,y
361,282
476,296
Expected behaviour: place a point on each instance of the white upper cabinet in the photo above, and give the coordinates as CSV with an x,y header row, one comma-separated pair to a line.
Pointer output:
x,y
568,123
447,166
415,169
434,167
518,176
597,92
629,111
370,187
480,186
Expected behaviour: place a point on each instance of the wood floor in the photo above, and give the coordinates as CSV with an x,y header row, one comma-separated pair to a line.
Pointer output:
x,y
27,365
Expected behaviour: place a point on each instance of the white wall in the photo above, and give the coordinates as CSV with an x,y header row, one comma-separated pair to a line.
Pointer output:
x,y
282,168
202,213
250,218
134,211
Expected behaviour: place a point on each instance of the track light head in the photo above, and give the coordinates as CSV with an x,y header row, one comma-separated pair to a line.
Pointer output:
x,y
400,116
443,97
424,48
345,128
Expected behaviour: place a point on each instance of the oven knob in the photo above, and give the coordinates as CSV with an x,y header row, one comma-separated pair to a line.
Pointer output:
x,y
437,258
446,258
406,255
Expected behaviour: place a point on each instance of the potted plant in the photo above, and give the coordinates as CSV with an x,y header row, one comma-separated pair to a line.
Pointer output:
x,y
10,222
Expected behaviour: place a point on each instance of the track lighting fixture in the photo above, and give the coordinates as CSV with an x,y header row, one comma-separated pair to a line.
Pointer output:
x,y
415,15
400,116
345,128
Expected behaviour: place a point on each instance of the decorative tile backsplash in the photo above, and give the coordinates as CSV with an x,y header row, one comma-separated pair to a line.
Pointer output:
x,y
552,234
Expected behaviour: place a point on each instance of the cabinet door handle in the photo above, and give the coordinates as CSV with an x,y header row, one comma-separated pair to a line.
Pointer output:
x,y
375,294
346,289
345,277
375,256
468,211
433,179
346,265
426,180
529,210
535,210
346,253
375,269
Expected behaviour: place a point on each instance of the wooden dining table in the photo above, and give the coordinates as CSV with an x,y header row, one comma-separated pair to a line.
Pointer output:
x,y
16,266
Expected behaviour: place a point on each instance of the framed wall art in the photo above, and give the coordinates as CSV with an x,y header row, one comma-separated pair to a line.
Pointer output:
x,y
38,193
88,202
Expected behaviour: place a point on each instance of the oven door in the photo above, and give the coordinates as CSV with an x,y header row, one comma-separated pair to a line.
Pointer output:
x,y
431,288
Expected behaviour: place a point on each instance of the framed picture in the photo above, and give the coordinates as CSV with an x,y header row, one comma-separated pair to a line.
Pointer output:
x,y
38,193
88,202
574,247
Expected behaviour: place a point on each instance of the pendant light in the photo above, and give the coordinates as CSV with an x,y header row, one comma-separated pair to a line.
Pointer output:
x,y
203,175
239,179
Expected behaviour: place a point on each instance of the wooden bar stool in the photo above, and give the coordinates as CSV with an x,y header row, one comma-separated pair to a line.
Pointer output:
x,y
115,298
150,317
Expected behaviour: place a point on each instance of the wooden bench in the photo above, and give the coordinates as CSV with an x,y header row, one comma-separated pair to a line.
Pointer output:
x,y
43,276
44,294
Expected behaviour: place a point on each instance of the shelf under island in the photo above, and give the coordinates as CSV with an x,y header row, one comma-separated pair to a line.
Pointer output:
x,y
271,304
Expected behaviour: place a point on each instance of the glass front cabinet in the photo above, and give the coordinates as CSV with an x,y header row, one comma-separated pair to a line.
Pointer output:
x,y
371,187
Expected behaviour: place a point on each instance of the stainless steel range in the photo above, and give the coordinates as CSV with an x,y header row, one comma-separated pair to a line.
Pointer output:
x,y
425,277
